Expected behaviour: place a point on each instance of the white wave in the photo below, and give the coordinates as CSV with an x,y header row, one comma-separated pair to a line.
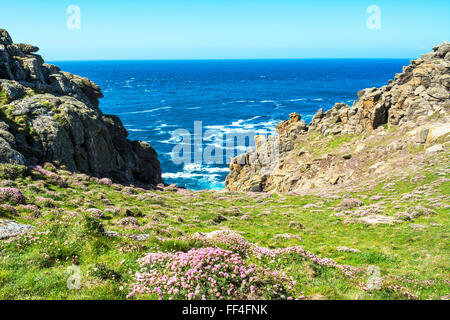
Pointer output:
x,y
147,111
214,170
269,123
181,175
245,101
159,128
241,121
294,100
173,140
245,129
189,175
241,125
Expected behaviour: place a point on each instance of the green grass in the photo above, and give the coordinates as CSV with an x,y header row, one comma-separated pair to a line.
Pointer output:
x,y
3,97
317,144
337,141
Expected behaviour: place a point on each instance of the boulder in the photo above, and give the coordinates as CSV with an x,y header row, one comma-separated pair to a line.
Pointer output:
x,y
435,148
437,131
11,228
438,92
10,155
13,89
27,48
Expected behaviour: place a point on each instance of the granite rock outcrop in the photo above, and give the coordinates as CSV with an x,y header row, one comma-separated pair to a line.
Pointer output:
x,y
48,115
347,143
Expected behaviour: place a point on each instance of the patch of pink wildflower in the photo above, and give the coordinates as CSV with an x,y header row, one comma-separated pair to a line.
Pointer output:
x,y
237,243
105,181
387,284
128,221
207,274
32,209
8,210
49,175
23,240
96,213
42,202
225,238
12,194
326,262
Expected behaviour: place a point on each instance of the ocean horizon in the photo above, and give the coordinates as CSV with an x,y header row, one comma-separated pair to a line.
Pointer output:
x,y
154,98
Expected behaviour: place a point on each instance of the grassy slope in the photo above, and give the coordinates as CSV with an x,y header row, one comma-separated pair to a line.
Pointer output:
x,y
39,270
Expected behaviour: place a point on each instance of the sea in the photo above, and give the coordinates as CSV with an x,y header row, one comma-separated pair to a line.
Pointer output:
x,y
171,104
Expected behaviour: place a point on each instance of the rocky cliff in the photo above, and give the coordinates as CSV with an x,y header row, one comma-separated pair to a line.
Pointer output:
x,y
48,115
384,130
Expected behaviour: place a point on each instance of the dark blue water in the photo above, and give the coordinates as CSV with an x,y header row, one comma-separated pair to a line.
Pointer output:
x,y
154,98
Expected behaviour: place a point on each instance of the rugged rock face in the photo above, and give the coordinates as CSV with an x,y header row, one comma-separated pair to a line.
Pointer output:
x,y
48,115
419,91
345,143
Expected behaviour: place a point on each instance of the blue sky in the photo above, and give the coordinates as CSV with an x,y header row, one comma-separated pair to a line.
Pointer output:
x,y
227,29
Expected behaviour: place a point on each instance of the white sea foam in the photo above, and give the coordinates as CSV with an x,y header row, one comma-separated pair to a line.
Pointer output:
x,y
245,101
181,175
242,121
210,176
241,126
294,100
244,129
173,140
214,170
147,111
159,129
188,175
